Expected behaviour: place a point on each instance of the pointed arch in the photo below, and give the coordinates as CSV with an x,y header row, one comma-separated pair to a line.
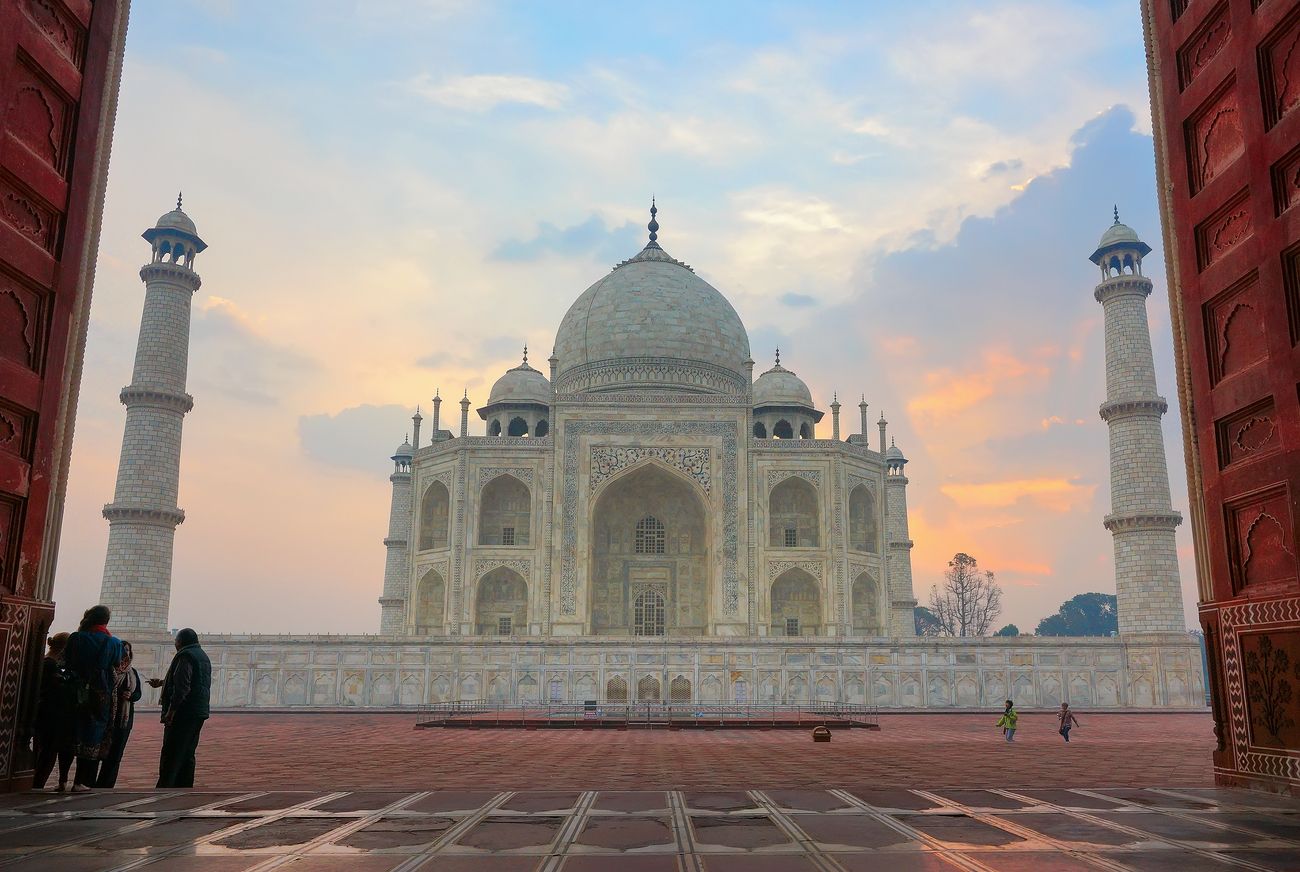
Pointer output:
x,y
760,431
796,604
793,516
866,606
430,604
864,529
505,512
501,604
435,513
616,689
648,689
782,430
518,427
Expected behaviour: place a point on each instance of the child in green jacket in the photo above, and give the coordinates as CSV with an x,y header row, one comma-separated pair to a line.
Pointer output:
x,y
1008,722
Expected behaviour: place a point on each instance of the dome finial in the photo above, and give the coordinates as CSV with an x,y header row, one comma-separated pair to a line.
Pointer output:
x,y
1117,213
525,354
778,357
653,226
178,201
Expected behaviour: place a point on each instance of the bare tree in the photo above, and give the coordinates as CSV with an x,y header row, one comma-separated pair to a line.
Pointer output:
x,y
970,600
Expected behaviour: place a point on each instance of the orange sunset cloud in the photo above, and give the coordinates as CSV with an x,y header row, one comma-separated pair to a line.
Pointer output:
x,y
1054,494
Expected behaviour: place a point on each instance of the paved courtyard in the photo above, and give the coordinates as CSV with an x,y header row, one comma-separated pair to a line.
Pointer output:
x,y
928,793
248,751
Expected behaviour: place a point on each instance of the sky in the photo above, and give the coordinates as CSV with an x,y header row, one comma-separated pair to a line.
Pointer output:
x,y
398,195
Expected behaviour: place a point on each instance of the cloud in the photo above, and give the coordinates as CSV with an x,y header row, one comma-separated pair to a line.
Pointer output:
x,y
798,301
1000,371
1054,494
232,356
357,438
592,238
483,93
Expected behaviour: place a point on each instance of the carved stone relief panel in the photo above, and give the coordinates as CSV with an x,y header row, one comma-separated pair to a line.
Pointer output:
x,y
1248,434
1234,329
776,476
1214,138
39,116
607,461
1280,62
1223,231
1204,45
1260,546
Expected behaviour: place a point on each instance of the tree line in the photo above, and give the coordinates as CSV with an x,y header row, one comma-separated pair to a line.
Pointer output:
x,y
969,602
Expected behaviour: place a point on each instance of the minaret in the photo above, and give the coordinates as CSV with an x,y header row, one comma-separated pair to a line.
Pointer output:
x,y
392,605
143,516
835,417
1142,518
865,428
464,414
882,424
898,545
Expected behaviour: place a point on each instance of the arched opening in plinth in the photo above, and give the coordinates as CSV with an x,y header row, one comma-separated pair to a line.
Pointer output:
x,y
430,604
501,604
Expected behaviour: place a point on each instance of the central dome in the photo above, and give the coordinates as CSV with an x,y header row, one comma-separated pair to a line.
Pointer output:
x,y
652,324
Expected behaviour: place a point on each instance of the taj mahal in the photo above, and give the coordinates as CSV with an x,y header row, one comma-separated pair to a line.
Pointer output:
x,y
654,518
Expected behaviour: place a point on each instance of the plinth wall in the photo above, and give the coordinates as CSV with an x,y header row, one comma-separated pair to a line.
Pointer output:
x,y
1161,671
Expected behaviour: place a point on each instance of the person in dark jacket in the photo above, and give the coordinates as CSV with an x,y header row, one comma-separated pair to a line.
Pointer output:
x,y
92,657
52,732
185,694
125,695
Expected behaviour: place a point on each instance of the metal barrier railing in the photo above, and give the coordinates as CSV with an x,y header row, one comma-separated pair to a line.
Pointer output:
x,y
646,711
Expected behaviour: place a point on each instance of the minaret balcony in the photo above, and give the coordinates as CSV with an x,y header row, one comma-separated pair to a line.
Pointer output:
x,y
161,398
1122,286
144,514
1152,407
1130,522
171,272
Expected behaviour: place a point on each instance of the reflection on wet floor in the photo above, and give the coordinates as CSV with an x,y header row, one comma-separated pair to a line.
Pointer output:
x,y
855,828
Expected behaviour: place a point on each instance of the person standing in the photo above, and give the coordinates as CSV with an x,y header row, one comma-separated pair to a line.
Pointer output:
x,y
52,732
1008,721
1066,719
185,694
92,656
126,694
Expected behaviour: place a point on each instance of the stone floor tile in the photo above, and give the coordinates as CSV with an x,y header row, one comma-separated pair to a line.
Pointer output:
x,y
724,801
624,863
450,863
1182,829
638,801
65,863
958,830
165,834
447,801
1034,861
274,801
1067,828
1282,825
1170,861
281,833
981,799
626,833
919,862
512,833
178,802
206,864
1275,859
541,801
807,800
363,800
58,832
1070,798
832,832
1153,799
738,832
319,863
890,798
751,863
402,832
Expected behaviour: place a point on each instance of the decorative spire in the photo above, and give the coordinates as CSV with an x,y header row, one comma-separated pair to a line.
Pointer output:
x,y
417,414
1117,213
835,398
436,395
864,400
778,357
525,354
178,201
653,226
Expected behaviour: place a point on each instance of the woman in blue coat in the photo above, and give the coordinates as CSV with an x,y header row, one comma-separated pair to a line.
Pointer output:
x,y
92,656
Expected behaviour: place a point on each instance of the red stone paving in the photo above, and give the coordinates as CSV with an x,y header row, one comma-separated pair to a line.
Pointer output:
x,y
267,751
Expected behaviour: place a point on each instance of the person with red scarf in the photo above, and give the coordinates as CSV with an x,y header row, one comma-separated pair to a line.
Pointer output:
x,y
92,656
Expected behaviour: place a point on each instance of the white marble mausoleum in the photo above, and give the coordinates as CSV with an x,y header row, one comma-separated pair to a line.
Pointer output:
x,y
650,519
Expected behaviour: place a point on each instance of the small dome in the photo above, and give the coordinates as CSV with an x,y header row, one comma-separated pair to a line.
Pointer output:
x,y
1118,233
523,384
780,387
404,450
893,452
177,220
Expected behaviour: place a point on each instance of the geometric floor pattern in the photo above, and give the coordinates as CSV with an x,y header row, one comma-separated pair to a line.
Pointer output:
x,y
770,830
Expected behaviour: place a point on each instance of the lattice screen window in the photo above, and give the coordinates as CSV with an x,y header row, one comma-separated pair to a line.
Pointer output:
x,y
650,536
792,626
507,535
504,626
648,614
791,537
